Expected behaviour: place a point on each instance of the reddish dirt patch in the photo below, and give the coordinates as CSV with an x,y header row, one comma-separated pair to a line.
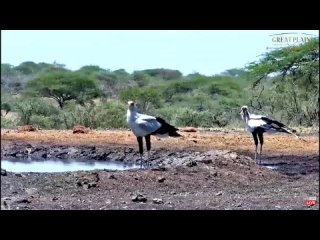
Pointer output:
x,y
27,128
80,129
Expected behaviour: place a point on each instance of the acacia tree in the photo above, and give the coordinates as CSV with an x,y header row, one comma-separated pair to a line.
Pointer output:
x,y
63,86
293,73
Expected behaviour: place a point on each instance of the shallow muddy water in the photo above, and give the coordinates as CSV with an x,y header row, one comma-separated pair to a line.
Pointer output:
x,y
63,166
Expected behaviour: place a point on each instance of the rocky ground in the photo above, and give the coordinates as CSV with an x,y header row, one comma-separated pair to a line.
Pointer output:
x,y
201,170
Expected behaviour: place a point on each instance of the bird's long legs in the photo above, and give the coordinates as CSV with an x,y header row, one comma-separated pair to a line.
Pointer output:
x,y
260,153
255,155
260,135
255,138
139,139
148,142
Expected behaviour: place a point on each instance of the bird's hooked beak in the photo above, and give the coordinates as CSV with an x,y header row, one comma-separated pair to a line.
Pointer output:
x,y
244,109
244,113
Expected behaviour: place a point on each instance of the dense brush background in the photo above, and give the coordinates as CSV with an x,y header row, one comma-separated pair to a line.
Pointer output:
x,y
283,84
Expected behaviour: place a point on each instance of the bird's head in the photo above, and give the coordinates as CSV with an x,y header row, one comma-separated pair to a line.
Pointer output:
x,y
131,105
244,112
244,108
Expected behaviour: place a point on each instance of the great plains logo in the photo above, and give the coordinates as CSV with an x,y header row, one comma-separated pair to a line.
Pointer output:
x,y
289,39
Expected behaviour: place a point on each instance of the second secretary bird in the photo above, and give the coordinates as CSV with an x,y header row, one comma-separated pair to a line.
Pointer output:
x,y
258,124
143,125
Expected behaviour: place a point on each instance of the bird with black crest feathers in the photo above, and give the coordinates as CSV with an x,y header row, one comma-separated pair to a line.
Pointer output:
x,y
258,124
143,125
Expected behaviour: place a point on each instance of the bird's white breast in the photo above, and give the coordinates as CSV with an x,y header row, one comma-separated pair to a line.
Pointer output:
x,y
252,124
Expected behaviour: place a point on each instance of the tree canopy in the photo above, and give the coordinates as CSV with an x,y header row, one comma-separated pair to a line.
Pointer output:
x,y
293,73
63,85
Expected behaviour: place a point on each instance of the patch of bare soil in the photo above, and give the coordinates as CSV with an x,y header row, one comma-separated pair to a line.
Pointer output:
x,y
201,170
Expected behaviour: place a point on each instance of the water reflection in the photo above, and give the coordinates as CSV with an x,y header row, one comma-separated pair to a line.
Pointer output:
x,y
63,165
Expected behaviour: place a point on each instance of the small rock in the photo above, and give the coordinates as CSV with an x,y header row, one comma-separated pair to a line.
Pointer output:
x,y
80,129
112,177
31,191
54,199
24,200
161,179
239,205
188,129
191,164
3,172
159,169
157,201
79,183
90,185
218,193
19,175
225,163
207,161
123,202
6,205
215,174
139,198
199,158
233,155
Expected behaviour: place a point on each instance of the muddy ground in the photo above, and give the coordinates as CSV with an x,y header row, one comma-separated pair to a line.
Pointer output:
x,y
201,170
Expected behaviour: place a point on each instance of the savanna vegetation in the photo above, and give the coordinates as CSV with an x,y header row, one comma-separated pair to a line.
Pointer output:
x,y
283,84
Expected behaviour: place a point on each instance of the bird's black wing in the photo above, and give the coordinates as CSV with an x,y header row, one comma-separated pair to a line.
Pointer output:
x,y
273,123
163,122
166,128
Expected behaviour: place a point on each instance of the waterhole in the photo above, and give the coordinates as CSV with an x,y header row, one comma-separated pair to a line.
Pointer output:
x,y
63,166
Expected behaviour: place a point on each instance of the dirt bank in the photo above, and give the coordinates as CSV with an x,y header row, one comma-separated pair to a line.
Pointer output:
x,y
199,171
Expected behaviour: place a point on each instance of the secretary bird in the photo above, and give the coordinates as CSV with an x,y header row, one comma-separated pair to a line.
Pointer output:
x,y
143,125
258,124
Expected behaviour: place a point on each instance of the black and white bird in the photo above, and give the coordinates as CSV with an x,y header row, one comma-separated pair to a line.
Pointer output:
x,y
143,125
258,124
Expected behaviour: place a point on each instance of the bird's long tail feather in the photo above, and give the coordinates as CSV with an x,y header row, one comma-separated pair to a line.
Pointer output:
x,y
286,130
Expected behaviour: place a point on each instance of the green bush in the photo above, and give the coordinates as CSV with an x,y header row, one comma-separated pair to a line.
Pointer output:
x,y
7,123
6,107
43,122
108,115
28,107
